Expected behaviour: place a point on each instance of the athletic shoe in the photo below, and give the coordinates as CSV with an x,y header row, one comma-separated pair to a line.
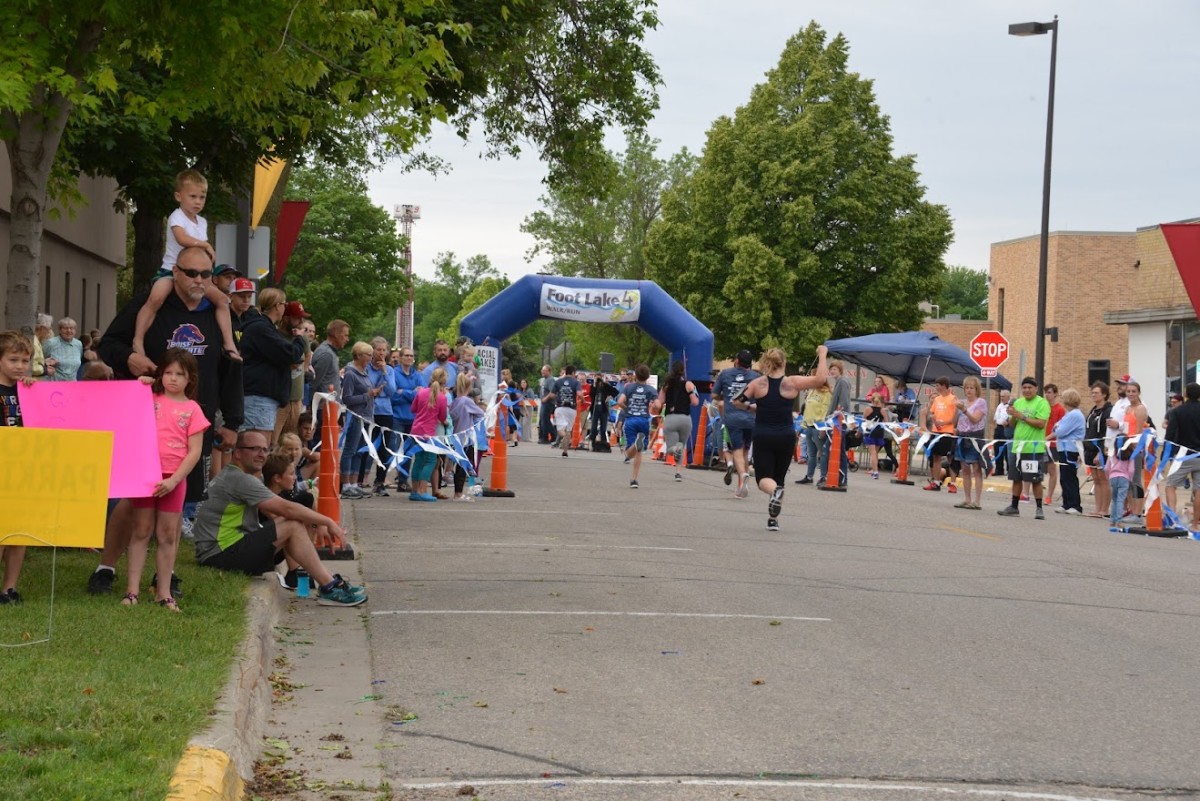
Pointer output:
x,y
1038,514
101,582
953,489
932,487
633,485
287,580
775,505
185,528
352,493
341,594
564,454
772,524
875,474
805,480
12,598
176,592
1009,511
729,471
1075,512
679,477
417,496
742,491
381,491
1130,520
627,459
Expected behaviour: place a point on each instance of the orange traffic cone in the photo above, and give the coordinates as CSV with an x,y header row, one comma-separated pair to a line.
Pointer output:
x,y
498,487
1154,517
701,435
832,483
329,502
902,462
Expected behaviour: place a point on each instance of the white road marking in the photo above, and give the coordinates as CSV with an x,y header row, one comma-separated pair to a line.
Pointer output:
x,y
750,783
540,545
569,613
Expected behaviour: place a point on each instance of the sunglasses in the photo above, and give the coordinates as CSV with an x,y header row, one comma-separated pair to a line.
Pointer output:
x,y
195,273
254,448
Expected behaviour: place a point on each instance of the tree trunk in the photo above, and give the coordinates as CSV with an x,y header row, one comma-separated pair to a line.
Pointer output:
x,y
148,246
31,154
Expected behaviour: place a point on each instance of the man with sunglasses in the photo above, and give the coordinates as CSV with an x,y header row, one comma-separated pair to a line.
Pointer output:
x,y
186,321
247,528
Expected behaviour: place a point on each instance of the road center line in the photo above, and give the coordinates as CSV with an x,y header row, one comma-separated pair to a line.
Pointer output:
x,y
968,531
428,544
750,783
571,613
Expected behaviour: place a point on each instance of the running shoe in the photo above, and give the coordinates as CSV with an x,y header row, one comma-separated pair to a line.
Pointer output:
x,y
176,591
932,486
1009,511
953,489
101,581
805,480
729,471
381,491
633,484
1038,514
341,594
772,524
775,505
679,477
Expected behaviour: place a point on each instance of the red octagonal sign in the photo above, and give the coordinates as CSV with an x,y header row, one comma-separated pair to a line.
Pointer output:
x,y
989,349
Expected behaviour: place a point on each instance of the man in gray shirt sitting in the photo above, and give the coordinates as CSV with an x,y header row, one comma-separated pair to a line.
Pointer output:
x,y
234,529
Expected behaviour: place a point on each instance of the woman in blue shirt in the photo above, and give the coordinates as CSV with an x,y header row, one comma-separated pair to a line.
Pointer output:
x,y
380,375
1069,432
408,380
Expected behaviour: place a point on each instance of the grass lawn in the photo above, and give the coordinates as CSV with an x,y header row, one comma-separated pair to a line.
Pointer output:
x,y
104,710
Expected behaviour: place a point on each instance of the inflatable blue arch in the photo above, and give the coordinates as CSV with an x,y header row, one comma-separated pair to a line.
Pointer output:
x,y
595,300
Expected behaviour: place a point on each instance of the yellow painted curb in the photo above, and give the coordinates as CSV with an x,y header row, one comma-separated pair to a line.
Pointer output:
x,y
205,774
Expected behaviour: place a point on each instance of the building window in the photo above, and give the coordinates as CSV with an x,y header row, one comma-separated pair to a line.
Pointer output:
x,y
1000,312
1183,355
66,294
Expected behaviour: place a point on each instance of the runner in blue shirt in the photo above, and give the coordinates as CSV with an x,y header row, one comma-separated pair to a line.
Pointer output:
x,y
638,401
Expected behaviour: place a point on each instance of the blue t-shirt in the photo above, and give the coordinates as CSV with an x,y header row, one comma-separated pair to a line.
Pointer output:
x,y
637,399
566,391
729,383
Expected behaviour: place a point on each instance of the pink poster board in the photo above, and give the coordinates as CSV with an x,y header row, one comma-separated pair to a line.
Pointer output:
x,y
126,408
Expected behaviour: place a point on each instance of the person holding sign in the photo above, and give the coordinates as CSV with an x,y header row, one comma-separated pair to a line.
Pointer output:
x,y
16,352
180,425
1029,415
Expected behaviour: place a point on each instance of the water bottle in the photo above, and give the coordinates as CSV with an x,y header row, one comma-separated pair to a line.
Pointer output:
x,y
301,583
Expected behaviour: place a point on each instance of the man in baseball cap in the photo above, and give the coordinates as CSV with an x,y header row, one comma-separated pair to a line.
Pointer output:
x,y
241,295
295,310
224,275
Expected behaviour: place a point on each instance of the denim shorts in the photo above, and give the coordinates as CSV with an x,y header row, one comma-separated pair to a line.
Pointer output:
x,y
258,413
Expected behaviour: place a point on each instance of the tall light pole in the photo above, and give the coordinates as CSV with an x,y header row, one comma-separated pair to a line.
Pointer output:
x,y
1036,29
406,215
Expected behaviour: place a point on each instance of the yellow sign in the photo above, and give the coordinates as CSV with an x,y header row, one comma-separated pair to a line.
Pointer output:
x,y
54,486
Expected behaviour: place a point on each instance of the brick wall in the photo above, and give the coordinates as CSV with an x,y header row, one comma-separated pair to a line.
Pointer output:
x,y
956,332
1088,274
1156,281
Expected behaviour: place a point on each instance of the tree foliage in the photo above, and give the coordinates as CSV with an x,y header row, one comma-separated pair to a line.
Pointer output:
x,y
964,292
318,75
598,228
799,224
348,261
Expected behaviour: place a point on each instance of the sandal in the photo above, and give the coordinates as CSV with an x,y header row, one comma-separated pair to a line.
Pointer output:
x,y
963,505
169,603
974,506
130,599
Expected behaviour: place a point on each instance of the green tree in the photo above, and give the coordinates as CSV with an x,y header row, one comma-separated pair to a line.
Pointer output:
x,y
965,292
799,223
287,75
597,229
348,259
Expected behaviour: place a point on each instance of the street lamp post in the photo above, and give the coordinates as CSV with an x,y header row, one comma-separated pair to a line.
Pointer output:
x,y
1036,29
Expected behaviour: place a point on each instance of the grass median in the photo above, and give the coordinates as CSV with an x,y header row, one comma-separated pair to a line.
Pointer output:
x,y
105,709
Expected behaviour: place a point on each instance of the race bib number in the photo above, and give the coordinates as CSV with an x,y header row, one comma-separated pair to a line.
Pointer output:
x,y
1030,466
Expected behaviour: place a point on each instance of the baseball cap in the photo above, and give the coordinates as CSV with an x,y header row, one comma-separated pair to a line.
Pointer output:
x,y
1127,379
295,308
222,269
242,285
745,357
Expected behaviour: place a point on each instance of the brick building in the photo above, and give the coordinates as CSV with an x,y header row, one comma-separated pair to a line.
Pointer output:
x,y
1114,300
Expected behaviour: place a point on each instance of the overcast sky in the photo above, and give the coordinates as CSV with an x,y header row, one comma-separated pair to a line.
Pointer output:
x,y
967,99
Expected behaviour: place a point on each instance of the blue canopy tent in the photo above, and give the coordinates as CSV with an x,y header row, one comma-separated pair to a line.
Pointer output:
x,y
916,356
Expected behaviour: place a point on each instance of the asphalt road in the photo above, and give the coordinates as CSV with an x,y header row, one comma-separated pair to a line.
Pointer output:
x,y
585,640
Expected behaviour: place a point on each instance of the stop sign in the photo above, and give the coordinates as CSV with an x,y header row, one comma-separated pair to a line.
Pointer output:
x,y
989,349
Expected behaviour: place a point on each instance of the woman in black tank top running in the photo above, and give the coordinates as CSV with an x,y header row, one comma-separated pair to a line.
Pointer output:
x,y
771,397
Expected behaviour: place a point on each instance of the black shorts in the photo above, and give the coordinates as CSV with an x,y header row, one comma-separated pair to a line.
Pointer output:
x,y
254,554
944,446
1017,474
